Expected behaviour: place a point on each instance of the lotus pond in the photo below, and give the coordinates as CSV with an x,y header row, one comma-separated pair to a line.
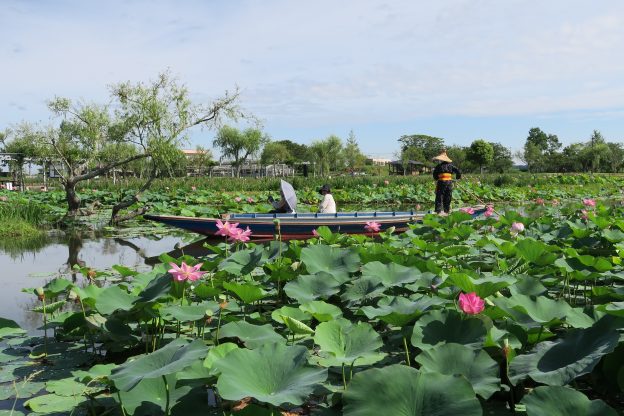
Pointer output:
x,y
511,314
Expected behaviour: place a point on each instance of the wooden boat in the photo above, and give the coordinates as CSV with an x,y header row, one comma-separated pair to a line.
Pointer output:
x,y
299,225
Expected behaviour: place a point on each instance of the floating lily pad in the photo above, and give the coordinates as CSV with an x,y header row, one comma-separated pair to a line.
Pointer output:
x,y
446,326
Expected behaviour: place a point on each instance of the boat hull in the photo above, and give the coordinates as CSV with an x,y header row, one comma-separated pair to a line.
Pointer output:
x,y
298,226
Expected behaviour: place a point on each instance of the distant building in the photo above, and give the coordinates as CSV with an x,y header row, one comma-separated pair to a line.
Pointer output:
x,y
413,167
378,161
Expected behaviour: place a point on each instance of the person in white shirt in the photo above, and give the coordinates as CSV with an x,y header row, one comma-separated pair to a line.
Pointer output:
x,y
327,205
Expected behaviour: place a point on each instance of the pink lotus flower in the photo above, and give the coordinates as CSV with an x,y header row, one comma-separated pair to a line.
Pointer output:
x,y
516,228
372,226
467,210
238,199
225,229
584,214
540,201
489,211
250,200
386,182
588,202
315,233
470,303
237,234
186,272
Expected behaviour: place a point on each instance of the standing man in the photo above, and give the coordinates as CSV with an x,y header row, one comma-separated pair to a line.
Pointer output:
x,y
442,174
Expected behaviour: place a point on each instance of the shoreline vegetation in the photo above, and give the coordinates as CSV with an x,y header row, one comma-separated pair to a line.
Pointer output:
x,y
214,196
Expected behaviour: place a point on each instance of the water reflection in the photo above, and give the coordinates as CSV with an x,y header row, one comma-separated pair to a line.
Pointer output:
x,y
34,262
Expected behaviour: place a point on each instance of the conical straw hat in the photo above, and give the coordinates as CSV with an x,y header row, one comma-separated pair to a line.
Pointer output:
x,y
443,157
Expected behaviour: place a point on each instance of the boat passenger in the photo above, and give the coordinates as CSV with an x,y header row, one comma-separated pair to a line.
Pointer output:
x,y
281,206
443,175
327,205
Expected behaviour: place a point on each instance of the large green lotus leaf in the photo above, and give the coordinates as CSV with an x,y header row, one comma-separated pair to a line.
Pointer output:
x,y
66,387
399,390
343,342
307,288
273,373
156,289
528,309
9,327
447,326
563,401
615,308
391,274
527,285
252,336
557,363
291,311
455,359
535,251
244,262
25,389
614,236
362,290
142,280
56,286
114,298
149,397
52,403
173,357
338,262
97,371
399,311
218,352
483,286
321,310
248,293
88,294
187,313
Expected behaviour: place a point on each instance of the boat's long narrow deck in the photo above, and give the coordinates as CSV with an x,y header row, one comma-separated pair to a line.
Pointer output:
x,y
310,215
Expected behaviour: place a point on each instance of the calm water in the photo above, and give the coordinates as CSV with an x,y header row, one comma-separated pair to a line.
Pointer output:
x,y
33,263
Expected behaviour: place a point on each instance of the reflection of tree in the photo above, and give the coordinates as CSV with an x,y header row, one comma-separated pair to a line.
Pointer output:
x,y
125,243
74,245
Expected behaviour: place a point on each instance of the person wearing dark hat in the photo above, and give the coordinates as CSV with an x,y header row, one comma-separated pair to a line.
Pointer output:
x,y
327,205
443,175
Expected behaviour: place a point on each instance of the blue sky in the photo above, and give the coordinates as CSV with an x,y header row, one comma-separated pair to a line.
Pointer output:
x,y
461,70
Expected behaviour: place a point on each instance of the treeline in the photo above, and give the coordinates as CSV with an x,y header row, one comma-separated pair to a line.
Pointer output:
x,y
542,152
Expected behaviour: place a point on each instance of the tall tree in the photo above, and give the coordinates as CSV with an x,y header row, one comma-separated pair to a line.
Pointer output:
x,y
145,121
239,145
21,142
480,153
538,149
354,158
501,158
335,154
274,153
428,145
319,150
298,152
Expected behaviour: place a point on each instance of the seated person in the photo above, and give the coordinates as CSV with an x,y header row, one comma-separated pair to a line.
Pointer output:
x,y
327,205
281,206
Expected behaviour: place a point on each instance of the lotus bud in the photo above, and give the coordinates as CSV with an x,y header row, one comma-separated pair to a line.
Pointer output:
x,y
40,293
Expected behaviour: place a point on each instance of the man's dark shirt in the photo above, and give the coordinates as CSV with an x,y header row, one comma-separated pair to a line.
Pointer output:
x,y
446,167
